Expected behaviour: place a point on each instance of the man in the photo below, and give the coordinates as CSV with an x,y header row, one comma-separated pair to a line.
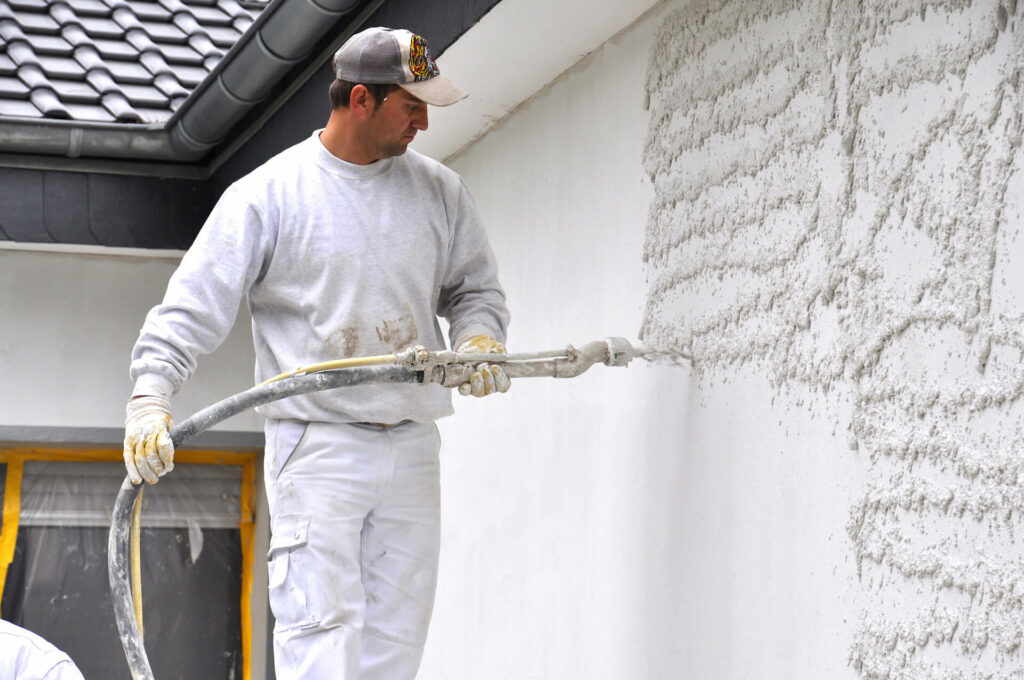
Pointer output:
x,y
26,656
345,245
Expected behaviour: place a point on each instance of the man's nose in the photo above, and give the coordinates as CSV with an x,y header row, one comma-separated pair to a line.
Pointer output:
x,y
419,119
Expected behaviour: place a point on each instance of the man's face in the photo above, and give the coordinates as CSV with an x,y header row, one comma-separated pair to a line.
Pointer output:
x,y
394,122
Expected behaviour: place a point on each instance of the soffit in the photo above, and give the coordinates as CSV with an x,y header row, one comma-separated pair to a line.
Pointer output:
x,y
511,54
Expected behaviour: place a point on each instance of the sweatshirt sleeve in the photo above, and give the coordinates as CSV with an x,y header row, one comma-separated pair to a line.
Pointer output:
x,y
471,297
202,298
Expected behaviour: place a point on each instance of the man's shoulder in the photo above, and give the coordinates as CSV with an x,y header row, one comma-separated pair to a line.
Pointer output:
x,y
276,166
425,165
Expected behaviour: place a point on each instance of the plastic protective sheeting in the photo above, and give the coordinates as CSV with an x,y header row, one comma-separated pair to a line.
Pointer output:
x,y
191,568
57,493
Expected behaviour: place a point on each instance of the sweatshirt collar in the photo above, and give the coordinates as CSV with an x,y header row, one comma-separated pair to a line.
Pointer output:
x,y
331,163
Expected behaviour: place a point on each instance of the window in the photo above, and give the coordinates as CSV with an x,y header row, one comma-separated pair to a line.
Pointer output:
x,y
196,559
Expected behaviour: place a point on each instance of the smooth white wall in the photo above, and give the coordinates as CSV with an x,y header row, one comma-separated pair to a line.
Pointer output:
x,y
68,321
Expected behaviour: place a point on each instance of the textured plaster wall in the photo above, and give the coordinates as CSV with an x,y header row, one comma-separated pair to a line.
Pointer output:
x,y
822,202
838,209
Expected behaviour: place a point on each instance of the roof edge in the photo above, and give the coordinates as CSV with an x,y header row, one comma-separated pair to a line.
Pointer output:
x,y
277,41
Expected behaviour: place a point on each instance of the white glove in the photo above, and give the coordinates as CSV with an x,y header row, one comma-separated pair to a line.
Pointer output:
x,y
148,450
486,379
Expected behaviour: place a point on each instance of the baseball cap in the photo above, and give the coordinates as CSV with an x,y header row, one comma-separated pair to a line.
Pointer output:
x,y
395,56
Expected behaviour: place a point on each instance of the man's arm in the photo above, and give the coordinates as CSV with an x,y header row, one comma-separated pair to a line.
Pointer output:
x,y
472,298
197,312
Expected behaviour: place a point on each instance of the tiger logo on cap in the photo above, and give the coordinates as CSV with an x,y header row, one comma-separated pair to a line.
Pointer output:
x,y
420,62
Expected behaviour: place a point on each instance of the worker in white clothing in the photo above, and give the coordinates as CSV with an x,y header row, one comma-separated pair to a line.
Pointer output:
x,y
346,244
26,656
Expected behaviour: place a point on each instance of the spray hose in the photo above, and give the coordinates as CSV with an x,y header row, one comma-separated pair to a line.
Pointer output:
x,y
414,365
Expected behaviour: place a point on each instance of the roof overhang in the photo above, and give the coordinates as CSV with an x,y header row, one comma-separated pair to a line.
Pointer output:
x,y
203,132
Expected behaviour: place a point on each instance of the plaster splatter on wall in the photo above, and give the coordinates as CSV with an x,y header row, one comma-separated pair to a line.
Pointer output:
x,y
837,200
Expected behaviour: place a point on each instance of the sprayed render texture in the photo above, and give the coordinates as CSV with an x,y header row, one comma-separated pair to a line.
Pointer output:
x,y
837,202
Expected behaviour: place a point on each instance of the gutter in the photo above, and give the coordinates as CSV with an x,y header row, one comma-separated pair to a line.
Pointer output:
x,y
278,39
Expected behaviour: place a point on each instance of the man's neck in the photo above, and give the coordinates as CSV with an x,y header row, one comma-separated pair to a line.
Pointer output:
x,y
340,138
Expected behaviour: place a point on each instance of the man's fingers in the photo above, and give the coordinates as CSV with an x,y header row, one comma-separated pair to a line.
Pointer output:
x,y
142,464
488,376
129,463
165,449
487,379
501,379
476,384
152,452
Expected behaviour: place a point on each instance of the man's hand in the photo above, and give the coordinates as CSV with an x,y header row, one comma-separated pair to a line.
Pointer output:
x,y
148,450
486,379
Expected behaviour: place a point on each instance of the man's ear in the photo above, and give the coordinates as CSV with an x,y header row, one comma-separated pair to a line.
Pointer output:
x,y
360,101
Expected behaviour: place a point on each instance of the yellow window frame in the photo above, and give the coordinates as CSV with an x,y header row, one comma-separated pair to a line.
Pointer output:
x,y
15,458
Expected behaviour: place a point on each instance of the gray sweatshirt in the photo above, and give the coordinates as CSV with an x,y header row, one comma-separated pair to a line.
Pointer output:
x,y
337,260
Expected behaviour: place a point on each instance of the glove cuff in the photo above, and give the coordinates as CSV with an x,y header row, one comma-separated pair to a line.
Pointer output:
x,y
147,405
484,344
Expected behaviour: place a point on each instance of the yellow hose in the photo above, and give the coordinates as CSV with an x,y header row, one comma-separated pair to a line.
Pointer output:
x,y
136,546
332,365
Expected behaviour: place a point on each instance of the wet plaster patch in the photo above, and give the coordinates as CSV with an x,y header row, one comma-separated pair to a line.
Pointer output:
x,y
837,203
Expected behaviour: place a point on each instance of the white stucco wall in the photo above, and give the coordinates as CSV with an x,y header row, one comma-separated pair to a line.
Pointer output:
x,y
827,195
68,321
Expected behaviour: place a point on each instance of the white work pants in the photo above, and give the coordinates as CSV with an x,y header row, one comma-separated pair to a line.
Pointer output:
x,y
355,522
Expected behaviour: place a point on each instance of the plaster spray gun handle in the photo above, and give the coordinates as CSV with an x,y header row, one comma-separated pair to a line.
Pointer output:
x,y
451,369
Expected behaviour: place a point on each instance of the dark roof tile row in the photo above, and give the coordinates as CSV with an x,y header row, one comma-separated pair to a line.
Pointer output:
x,y
111,60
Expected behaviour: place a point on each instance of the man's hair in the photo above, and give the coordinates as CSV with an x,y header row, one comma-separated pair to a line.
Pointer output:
x,y
341,91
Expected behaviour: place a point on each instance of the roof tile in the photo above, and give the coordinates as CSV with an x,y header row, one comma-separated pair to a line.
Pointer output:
x,y
99,27
91,112
28,4
222,37
170,86
18,107
129,72
190,75
211,16
92,8
118,105
46,100
60,67
142,96
166,32
107,60
181,54
35,22
102,82
116,49
7,66
51,44
13,88
150,10
76,91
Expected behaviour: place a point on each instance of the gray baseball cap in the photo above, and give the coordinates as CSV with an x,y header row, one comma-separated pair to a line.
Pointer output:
x,y
389,56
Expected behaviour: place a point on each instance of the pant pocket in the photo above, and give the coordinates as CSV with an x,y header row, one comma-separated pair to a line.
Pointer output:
x,y
287,572
290,434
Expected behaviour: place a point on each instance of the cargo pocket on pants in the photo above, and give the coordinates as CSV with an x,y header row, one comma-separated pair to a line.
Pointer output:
x,y
289,597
